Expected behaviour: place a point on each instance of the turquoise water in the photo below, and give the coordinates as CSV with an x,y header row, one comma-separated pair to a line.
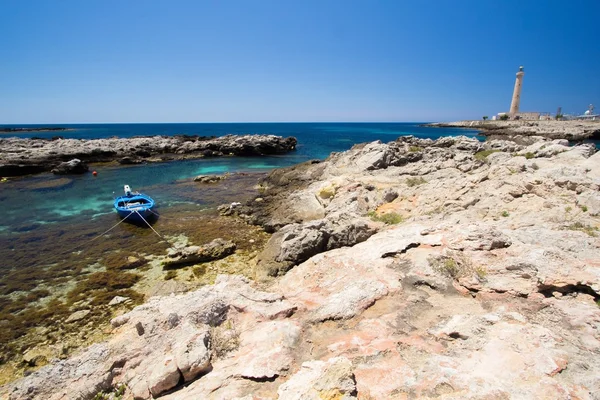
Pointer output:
x,y
87,196
61,240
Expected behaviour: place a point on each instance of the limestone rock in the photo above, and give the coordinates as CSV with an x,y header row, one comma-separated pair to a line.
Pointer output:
x,y
75,166
118,300
350,301
269,350
215,250
78,315
331,379
165,288
34,357
26,156
192,355
367,311
165,375
209,178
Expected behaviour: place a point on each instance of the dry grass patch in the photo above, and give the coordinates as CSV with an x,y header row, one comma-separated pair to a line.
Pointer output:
x,y
390,218
457,265
415,181
327,192
224,339
482,155
578,226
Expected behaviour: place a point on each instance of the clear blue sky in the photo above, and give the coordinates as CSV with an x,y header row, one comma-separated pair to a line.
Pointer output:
x,y
278,60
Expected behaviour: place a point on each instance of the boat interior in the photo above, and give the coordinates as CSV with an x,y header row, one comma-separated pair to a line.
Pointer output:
x,y
134,203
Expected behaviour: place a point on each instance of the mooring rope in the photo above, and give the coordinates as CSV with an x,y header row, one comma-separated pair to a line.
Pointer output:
x,y
143,219
102,234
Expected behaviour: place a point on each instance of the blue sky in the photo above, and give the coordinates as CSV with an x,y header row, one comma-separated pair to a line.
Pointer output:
x,y
279,60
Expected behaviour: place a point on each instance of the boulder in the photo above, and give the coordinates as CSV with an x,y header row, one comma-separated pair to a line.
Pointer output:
x,y
75,166
164,376
296,243
118,300
209,178
215,250
78,315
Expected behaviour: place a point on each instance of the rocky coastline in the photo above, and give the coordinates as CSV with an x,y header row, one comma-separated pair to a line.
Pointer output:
x,y
570,130
449,269
32,129
29,156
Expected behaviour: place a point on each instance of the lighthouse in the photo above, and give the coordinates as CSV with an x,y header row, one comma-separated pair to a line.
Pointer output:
x,y
516,98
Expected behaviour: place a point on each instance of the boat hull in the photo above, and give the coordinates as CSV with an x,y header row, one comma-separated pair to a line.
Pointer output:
x,y
136,208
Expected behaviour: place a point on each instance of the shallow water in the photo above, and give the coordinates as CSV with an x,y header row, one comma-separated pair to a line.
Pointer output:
x,y
57,257
34,200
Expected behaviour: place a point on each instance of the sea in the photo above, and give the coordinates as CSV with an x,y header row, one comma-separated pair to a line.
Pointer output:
x,y
62,246
34,200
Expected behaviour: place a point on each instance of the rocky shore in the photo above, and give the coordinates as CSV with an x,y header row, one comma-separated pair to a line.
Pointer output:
x,y
423,269
29,156
32,129
570,130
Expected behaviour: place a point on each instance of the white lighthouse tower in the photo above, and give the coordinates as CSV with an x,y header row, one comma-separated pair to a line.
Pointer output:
x,y
516,98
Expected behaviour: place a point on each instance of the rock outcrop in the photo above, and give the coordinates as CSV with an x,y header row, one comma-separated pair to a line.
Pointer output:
x,y
182,256
418,269
27,156
73,167
570,130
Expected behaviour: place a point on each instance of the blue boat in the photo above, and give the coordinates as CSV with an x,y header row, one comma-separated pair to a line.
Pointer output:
x,y
135,207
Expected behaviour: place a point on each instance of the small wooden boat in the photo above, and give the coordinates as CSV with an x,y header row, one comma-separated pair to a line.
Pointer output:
x,y
134,207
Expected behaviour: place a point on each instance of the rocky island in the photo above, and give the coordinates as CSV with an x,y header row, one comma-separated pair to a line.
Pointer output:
x,y
29,156
424,269
31,129
570,130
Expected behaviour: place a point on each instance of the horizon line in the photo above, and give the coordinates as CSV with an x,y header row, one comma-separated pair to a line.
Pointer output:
x,y
220,122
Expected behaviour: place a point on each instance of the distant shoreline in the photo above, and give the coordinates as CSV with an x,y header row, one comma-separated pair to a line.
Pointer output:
x,y
570,130
31,129
23,156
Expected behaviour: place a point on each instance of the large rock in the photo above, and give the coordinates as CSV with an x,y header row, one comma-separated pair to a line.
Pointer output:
x,y
486,287
296,243
267,352
209,178
317,380
25,156
215,250
75,166
166,341
548,129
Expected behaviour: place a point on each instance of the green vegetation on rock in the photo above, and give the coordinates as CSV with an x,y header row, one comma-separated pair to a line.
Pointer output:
x,y
456,265
390,218
578,226
327,192
415,181
482,155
